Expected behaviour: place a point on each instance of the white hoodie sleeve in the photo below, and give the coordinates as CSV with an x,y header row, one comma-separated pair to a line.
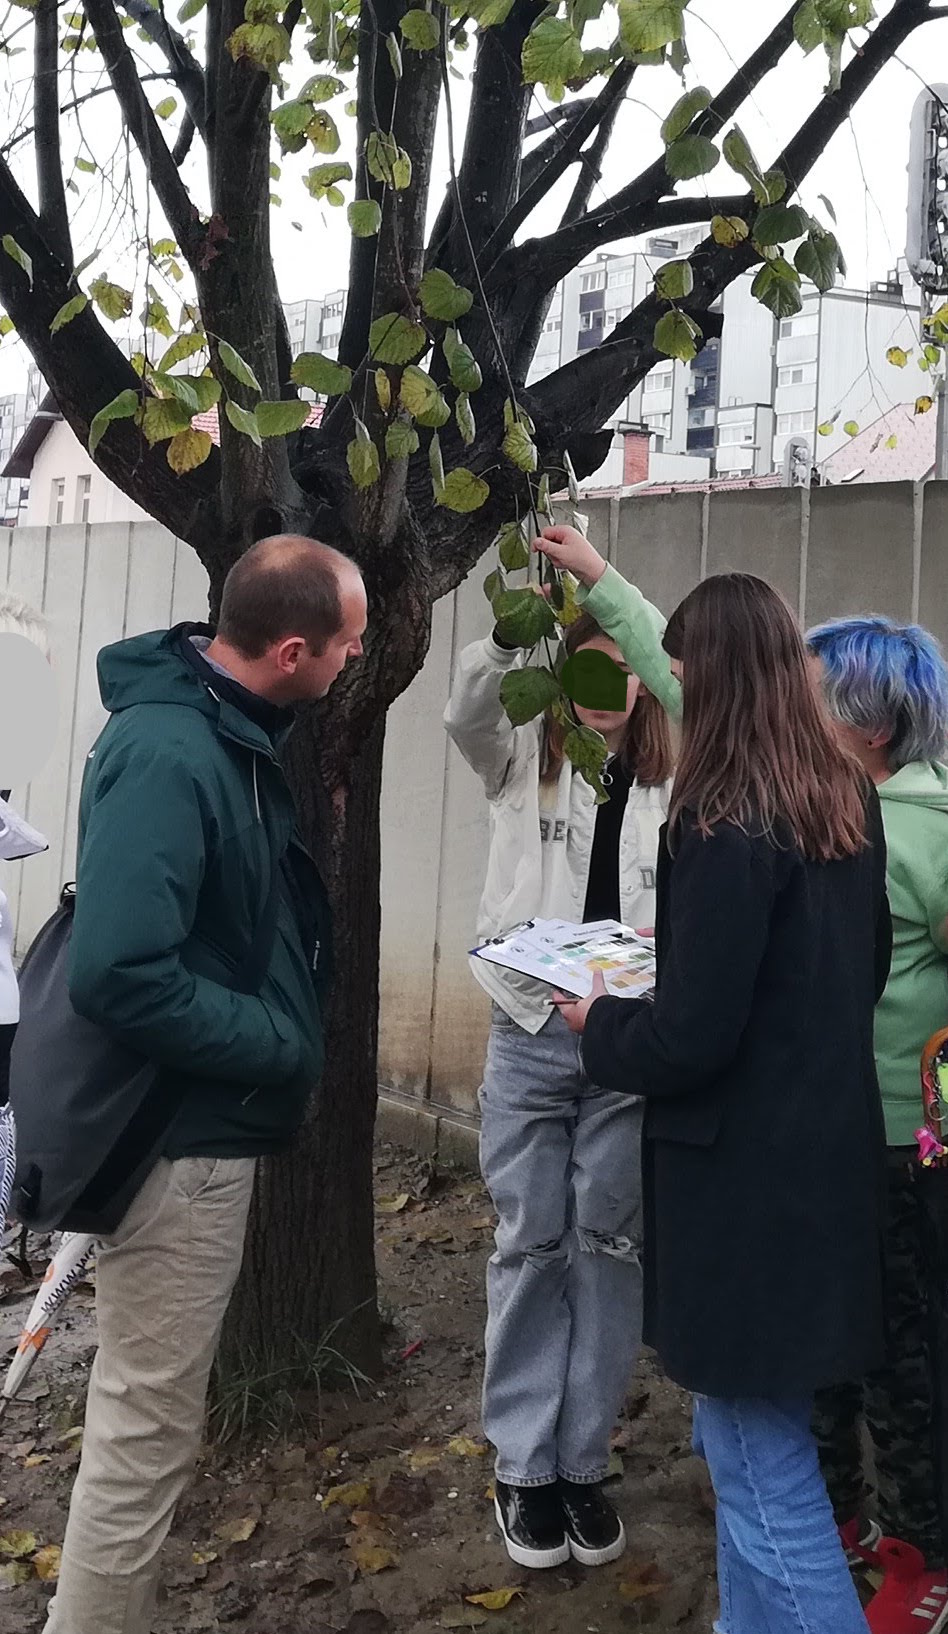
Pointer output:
x,y
475,719
17,838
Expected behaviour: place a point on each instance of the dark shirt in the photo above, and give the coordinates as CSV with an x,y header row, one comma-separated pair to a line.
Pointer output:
x,y
602,889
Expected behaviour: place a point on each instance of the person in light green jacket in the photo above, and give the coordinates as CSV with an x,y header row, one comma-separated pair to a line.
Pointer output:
x,y
886,686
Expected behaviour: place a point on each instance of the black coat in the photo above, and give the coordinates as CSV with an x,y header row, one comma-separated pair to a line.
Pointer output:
x,y
765,1143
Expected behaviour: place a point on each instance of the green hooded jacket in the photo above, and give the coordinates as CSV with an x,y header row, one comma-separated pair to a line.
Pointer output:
x,y
183,816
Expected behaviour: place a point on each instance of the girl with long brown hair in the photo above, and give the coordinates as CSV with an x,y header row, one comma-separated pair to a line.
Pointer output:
x,y
764,1140
560,1155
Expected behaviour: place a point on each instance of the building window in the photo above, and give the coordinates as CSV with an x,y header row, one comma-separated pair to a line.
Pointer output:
x,y
57,499
795,376
552,325
621,275
787,423
83,494
658,380
701,417
591,280
729,435
333,309
658,422
591,320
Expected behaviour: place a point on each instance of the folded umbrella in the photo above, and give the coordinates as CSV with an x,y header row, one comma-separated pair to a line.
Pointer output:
x,y
7,1160
65,1271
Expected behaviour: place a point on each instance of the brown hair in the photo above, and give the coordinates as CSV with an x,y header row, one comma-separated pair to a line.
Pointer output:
x,y
645,752
757,747
283,586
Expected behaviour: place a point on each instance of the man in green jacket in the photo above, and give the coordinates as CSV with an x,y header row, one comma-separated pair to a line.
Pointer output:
x,y
187,841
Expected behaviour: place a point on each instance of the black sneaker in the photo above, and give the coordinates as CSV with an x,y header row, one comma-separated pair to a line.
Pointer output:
x,y
596,1534
531,1520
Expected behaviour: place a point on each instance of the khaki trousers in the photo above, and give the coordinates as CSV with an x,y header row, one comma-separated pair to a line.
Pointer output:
x,y
163,1283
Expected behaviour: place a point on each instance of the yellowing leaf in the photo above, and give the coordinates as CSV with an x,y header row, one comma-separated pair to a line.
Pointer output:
x,y
383,390
351,1495
463,491
68,311
396,339
266,44
370,1557
393,1205
46,1562
184,347
362,458
401,441
851,428
323,132
897,356
17,1545
280,418
892,442
321,374
121,407
238,1531
826,429
204,1557
493,1599
15,1574
520,448
923,404
365,218
463,1447
166,107
442,298
21,258
421,30
422,398
424,1458
164,417
35,1460
188,449
111,299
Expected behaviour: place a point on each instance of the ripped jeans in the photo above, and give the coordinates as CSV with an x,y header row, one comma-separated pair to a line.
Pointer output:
x,y
562,1162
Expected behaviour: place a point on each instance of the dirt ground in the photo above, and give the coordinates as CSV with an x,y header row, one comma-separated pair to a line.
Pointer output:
x,y
372,1516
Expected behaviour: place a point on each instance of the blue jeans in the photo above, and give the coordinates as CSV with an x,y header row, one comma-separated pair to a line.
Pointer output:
x,y
562,1161
781,1566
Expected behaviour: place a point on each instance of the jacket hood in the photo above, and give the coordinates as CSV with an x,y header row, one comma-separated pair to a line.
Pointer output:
x,y
148,669
923,783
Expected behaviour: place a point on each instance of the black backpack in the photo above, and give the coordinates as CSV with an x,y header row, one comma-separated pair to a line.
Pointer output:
x,y
91,1115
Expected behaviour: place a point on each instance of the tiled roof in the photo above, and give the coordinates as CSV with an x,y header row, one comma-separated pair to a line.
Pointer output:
x,y
209,422
912,458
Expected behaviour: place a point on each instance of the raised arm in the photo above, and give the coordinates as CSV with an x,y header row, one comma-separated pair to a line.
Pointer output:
x,y
475,719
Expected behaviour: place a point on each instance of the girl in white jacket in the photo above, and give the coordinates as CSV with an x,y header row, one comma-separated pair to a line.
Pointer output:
x,y
560,1157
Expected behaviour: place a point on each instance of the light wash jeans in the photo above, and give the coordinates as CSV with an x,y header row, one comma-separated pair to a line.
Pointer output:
x,y
562,1161
781,1566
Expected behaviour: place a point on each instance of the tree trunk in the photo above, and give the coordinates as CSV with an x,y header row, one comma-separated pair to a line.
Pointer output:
x,y
309,1258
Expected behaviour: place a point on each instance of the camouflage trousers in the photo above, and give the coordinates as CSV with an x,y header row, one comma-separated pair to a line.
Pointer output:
x,y
893,1421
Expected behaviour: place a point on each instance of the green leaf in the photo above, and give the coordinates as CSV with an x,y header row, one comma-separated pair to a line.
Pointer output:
x,y
421,30
191,8
512,547
266,44
464,418
291,122
931,354
739,155
818,258
851,428
122,407
396,339
587,751
401,440
401,172
383,390
594,680
494,584
362,458
395,55
323,132
729,231
155,316
777,286
441,297
278,419
7,326
68,311
520,448
552,53
675,280
188,449
365,218
462,491
924,404
381,154
691,156
243,420
235,365
527,693
780,223
199,392
422,398
166,107
184,347
321,374
164,417
826,429
163,247
321,180
463,366
685,110
87,166
649,25
322,89
489,13
523,618
19,256
677,335
807,27
892,442
436,465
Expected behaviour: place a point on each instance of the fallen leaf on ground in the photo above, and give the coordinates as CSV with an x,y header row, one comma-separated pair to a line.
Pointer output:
x,y
47,1562
490,1491
203,1557
493,1599
72,1436
463,1617
424,1458
642,1582
238,1531
329,1456
16,1573
463,1447
393,1205
17,1545
362,1518
352,1495
485,1223
615,1467
35,1459
372,1557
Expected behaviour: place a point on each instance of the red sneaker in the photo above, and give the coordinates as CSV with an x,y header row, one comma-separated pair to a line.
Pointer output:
x,y
859,1538
912,1598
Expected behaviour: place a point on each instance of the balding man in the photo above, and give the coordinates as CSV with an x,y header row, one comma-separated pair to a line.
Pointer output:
x,y
199,940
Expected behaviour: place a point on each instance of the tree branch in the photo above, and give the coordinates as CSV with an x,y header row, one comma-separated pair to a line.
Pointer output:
x,y
160,167
186,71
185,137
50,186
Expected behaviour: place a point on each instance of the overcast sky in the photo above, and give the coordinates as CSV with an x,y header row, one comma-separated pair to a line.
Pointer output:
x,y
874,146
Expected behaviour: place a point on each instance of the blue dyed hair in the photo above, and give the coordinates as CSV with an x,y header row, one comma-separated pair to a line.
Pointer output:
x,y
879,675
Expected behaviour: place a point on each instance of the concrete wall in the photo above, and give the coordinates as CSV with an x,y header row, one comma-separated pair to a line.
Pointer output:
x,y
871,549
